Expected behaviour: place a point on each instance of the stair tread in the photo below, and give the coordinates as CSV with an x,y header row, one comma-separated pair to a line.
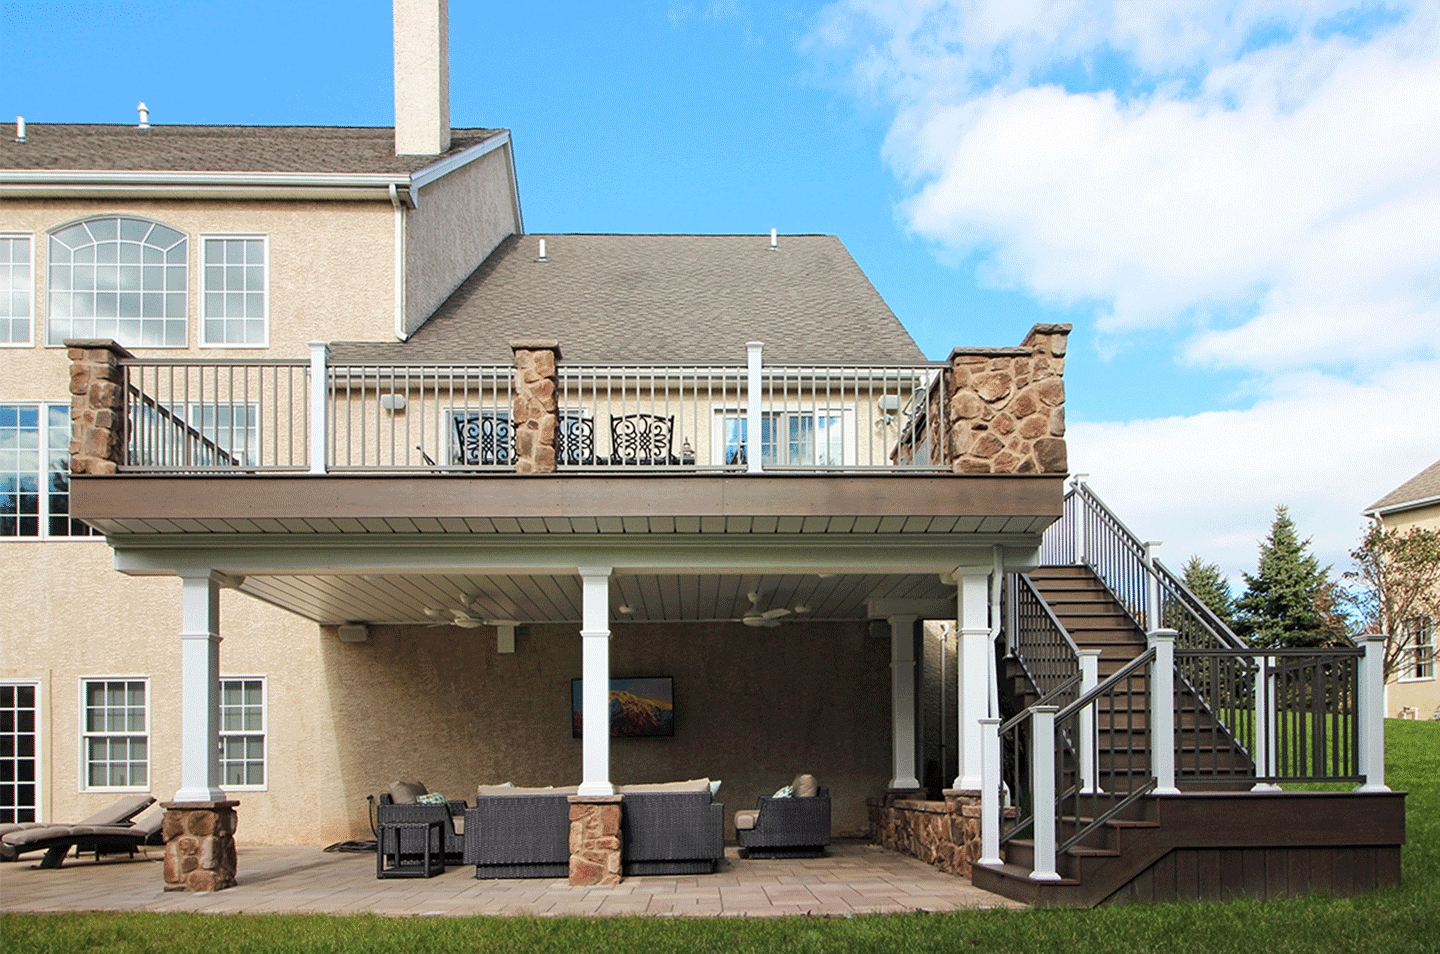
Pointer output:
x,y
1020,873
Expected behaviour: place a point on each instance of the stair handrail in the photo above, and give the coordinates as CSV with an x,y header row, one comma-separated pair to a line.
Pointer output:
x,y
1044,673
994,780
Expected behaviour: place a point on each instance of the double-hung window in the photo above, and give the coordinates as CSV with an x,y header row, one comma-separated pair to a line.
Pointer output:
x,y
116,734
242,732
236,291
1419,659
35,472
118,277
17,288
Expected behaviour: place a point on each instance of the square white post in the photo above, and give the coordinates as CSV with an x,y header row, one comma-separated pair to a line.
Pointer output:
x,y
319,406
1089,679
200,688
976,657
595,685
902,700
1162,712
1152,587
753,387
990,794
1372,714
1042,774
1264,746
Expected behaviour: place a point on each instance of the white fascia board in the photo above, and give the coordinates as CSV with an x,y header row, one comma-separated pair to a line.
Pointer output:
x,y
1399,507
111,183
423,177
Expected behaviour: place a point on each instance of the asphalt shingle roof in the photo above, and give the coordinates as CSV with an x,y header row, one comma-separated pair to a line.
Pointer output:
x,y
1423,486
660,299
326,149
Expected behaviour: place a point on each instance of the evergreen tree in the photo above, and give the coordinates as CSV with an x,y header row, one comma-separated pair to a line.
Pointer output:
x,y
1291,600
1208,584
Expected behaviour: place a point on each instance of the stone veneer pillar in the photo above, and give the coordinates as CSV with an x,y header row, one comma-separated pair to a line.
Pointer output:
x,y
945,834
533,416
199,845
595,839
97,406
1007,406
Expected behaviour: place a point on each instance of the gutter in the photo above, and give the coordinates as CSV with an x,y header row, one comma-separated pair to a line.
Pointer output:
x,y
1397,508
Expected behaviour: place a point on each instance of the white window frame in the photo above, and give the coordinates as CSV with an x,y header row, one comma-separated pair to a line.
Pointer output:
x,y
1411,660
205,341
43,477
41,756
264,733
86,735
30,236
849,439
189,265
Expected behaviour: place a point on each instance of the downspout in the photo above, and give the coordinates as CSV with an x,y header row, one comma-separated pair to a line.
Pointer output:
x,y
399,207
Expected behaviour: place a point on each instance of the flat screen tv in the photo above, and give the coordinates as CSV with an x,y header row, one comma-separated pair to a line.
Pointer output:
x,y
640,707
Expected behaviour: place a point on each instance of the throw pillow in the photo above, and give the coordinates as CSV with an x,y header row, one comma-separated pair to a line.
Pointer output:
x,y
405,793
785,792
805,786
430,798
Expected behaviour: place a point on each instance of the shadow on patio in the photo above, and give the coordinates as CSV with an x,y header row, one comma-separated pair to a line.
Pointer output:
x,y
857,878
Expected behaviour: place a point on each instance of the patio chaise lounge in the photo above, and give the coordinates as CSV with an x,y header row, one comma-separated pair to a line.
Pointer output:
x,y
796,825
57,840
116,814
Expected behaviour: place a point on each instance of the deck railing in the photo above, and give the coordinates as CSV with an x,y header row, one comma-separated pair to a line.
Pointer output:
x,y
187,415
1038,639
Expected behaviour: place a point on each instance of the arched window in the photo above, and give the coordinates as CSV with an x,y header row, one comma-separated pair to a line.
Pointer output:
x,y
114,276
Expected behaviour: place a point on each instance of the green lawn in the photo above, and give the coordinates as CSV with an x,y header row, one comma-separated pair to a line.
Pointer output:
x,y
1400,920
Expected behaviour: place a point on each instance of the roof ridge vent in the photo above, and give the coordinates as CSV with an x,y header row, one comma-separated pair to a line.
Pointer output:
x,y
774,241
144,116
19,128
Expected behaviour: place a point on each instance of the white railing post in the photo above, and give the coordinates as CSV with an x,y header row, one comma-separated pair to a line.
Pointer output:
x,y
753,387
319,401
1080,554
1089,679
1371,714
1162,712
1264,748
990,798
1152,587
1042,774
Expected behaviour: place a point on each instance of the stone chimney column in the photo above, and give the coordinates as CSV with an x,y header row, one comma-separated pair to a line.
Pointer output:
x,y
533,414
97,406
422,77
1007,406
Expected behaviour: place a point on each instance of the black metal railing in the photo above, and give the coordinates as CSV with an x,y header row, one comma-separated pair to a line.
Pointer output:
x,y
1038,639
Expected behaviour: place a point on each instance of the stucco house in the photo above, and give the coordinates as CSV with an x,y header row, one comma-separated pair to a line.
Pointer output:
x,y
1412,690
382,474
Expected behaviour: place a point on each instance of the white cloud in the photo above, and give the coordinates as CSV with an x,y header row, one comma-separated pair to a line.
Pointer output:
x,y
1208,483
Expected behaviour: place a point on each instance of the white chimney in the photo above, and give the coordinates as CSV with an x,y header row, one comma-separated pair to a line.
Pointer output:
x,y
144,116
19,128
422,77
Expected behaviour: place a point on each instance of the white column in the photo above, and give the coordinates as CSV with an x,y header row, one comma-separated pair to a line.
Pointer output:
x,y
1089,679
902,700
1162,712
1263,749
1042,770
595,688
990,794
200,688
976,656
1372,714
753,390
319,406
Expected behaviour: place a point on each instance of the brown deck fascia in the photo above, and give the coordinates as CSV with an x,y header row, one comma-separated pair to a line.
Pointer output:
x,y
280,496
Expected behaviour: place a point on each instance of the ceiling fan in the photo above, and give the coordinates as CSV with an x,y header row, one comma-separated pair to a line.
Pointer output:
x,y
460,616
764,619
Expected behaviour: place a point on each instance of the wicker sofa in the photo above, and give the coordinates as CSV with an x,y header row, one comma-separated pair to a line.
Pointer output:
x,y
525,832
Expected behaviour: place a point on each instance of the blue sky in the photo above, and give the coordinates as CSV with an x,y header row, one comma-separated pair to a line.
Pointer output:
x,y
1235,203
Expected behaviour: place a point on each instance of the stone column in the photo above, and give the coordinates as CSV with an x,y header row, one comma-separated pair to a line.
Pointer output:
x,y
595,839
97,406
533,414
1007,406
199,845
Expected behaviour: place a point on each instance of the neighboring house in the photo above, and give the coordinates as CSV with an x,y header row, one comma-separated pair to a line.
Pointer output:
x,y
1413,691
328,402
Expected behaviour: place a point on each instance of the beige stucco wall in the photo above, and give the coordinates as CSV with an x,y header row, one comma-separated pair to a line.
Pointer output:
x,y
1422,695
458,220
752,708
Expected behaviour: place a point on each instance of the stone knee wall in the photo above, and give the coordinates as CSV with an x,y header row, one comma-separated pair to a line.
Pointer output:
x,y
1007,406
945,834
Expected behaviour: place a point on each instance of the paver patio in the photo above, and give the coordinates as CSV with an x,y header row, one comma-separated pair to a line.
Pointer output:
x,y
857,878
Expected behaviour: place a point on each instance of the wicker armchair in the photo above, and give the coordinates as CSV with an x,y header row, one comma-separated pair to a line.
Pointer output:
x,y
406,841
792,827
671,833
